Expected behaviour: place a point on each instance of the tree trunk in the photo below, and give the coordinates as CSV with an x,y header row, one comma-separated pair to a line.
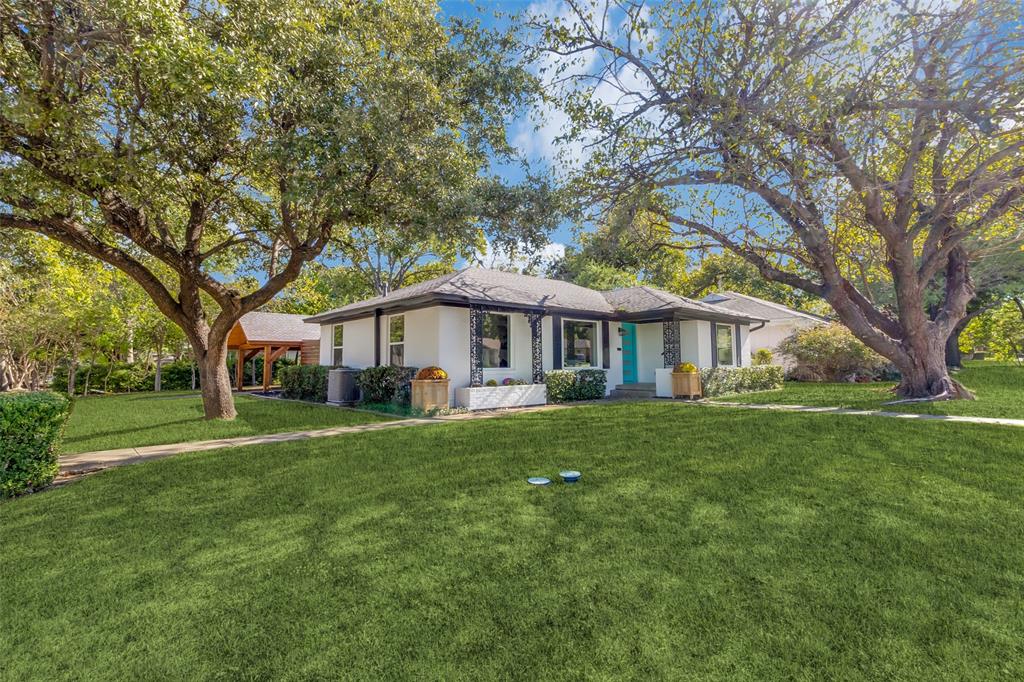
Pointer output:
x,y
218,403
953,358
925,376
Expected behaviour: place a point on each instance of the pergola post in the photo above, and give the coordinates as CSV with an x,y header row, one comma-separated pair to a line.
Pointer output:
x,y
536,347
239,368
268,363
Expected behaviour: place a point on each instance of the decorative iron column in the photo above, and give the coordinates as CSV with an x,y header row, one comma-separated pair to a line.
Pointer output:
x,y
476,345
670,339
536,347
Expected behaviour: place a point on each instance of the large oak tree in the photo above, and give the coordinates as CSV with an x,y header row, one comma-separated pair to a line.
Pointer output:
x,y
198,138
793,134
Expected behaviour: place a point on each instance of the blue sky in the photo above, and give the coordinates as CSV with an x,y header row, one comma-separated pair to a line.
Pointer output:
x,y
536,146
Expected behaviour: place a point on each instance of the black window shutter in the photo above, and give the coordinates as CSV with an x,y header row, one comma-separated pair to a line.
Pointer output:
x,y
556,340
606,357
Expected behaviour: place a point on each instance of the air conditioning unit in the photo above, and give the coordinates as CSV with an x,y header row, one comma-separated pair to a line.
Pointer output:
x,y
341,387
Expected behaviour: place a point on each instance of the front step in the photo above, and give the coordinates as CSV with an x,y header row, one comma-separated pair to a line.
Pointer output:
x,y
633,391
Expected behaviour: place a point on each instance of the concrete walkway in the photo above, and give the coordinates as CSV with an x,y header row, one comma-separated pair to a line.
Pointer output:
x,y
998,421
72,466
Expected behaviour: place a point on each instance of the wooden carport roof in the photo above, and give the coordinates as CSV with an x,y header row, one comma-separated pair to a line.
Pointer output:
x,y
273,333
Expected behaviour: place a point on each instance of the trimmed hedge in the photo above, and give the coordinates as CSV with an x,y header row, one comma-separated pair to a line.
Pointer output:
x,y
304,382
566,385
386,384
721,380
30,426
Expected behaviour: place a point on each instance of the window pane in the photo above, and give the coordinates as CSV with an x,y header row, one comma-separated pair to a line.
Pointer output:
x,y
339,331
338,357
723,337
578,341
398,354
495,340
397,324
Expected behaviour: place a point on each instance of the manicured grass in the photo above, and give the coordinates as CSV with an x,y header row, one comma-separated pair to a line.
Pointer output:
x,y
111,422
701,543
999,387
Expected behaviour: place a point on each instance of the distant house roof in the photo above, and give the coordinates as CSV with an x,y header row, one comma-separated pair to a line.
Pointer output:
x,y
482,286
282,328
757,307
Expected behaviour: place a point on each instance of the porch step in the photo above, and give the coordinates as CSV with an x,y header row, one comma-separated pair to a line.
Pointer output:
x,y
633,391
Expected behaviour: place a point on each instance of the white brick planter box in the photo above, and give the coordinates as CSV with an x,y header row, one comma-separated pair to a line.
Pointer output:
x,y
497,397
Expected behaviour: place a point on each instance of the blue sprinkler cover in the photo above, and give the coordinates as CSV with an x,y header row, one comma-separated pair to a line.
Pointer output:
x,y
570,476
538,480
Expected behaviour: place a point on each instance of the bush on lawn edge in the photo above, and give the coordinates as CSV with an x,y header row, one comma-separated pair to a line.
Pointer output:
x,y
718,381
386,384
31,424
304,382
565,385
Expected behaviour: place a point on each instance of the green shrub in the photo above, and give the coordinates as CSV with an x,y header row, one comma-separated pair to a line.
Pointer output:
x,y
304,382
569,385
30,426
762,356
491,382
386,384
829,352
177,376
716,381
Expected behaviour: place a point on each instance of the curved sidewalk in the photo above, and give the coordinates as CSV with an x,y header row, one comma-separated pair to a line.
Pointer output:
x,y
72,466
997,421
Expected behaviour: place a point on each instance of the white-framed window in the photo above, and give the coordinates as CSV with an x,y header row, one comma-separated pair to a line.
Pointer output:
x,y
497,351
338,343
724,349
396,340
579,343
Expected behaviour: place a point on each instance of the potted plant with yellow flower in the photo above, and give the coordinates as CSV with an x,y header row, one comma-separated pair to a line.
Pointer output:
x,y
430,389
685,381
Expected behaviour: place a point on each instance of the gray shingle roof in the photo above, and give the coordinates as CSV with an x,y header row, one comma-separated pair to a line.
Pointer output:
x,y
644,299
487,286
756,307
280,327
481,285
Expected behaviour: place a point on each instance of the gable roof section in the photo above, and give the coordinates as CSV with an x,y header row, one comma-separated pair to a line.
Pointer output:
x,y
482,286
757,307
642,300
277,328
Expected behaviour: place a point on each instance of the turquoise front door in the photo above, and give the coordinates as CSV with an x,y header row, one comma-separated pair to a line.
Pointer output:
x,y
628,353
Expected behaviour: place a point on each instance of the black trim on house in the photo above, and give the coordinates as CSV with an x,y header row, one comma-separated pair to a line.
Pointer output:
x,y
556,341
426,301
737,346
714,344
606,356
376,337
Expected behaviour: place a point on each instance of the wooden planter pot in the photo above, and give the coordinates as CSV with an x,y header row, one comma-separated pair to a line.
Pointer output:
x,y
429,394
686,385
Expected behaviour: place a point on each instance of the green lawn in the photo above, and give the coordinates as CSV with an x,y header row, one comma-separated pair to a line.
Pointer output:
x,y
702,543
110,422
999,387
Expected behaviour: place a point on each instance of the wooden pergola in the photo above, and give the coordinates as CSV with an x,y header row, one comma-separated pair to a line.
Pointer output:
x,y
274,335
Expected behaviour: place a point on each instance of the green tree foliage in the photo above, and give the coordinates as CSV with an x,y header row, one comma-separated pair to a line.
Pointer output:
x,y
180,141
999,331
800,136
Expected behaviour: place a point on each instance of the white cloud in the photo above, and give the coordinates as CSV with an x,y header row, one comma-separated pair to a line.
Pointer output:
x,y
536,134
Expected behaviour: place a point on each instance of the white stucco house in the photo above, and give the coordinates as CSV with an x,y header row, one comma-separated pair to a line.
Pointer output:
x,y
780,320
481,324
